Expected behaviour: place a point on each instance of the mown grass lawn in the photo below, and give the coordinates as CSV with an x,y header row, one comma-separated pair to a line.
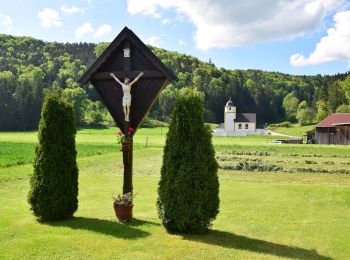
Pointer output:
x,y
262,214
294,130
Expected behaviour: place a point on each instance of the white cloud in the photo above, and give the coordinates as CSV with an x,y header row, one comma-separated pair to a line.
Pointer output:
x,y
335,45
149,7
102,30
5,23
166,21
49,18
181,43
153,40
227,23
71,10
86,28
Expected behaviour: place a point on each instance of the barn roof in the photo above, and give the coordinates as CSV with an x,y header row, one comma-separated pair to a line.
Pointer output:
x,y
126,33
335,119
246,117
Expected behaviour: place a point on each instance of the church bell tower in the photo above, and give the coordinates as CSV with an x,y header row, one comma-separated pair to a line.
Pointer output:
x,y
230,116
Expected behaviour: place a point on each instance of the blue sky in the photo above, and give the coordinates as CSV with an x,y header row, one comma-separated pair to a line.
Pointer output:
x,y
290,36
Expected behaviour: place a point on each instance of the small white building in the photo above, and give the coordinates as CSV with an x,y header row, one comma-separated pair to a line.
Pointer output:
x,y
237,124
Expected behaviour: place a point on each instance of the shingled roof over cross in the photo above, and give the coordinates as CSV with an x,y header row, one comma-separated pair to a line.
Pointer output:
x,y
140,59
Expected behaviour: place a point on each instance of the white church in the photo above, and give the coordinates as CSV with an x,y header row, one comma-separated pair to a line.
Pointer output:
x,y
237,124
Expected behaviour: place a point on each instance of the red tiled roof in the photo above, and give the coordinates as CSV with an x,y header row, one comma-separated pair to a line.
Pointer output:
x,y
335,119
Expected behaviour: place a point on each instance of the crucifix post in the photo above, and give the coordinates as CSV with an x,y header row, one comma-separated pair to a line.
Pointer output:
x,y
128,146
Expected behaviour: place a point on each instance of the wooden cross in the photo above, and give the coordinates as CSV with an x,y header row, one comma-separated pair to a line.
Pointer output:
x,y
126,53
127,149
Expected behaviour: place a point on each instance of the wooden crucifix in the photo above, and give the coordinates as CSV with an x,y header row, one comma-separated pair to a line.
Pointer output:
x,y
127,57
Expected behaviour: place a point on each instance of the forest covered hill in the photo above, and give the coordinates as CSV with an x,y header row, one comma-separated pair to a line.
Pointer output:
x,y
30,67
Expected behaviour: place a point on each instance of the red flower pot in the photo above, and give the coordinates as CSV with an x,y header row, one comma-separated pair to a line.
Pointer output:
x,y
123,213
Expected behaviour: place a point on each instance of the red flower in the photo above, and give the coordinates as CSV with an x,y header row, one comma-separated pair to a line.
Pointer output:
x,y
131,130
120,132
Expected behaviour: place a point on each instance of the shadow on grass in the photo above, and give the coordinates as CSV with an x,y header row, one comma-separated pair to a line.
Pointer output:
x,y
106,227
231,240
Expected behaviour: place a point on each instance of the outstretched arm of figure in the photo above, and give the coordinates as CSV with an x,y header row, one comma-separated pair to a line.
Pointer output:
x,y
116,79
136,79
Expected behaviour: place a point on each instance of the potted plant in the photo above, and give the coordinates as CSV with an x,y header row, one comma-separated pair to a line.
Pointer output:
x,y
123,205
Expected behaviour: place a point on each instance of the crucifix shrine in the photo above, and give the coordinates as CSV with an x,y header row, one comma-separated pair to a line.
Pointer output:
x,y
128,77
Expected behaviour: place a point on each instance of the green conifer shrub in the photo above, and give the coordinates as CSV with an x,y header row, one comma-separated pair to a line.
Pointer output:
x,y
54,185
188,191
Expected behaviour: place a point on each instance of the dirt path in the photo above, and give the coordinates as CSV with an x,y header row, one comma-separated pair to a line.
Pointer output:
x,y
278,134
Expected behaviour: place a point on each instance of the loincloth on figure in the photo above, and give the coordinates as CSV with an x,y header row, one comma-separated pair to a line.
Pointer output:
x,y
127,100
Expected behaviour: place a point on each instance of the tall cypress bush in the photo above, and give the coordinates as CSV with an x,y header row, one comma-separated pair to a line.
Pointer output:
x,y
54,184
188,191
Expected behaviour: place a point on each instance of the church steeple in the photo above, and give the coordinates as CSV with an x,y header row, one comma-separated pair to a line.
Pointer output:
x,y
230,116
230,108
229,103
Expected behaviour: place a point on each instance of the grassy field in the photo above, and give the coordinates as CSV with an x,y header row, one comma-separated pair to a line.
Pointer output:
x,y
295,130
277,201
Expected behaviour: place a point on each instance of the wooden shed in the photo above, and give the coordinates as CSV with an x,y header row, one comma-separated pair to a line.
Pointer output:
x,y
334,129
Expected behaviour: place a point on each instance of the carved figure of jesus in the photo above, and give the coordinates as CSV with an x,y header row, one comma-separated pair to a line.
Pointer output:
x,y
126,86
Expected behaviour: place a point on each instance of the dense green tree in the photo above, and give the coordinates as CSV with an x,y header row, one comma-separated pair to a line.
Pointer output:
x,y
345,84
24,111
7,100
322,110
188,189
305,114
167,100
336,96
100,48
324,90
54,185
344,108
78,98
290,105
29,97
94,113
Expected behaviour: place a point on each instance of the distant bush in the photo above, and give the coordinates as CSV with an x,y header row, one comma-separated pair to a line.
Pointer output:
x,y
283,124
152,123
53,191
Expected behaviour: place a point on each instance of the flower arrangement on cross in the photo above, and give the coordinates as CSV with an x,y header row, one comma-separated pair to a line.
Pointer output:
x,y
121,137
